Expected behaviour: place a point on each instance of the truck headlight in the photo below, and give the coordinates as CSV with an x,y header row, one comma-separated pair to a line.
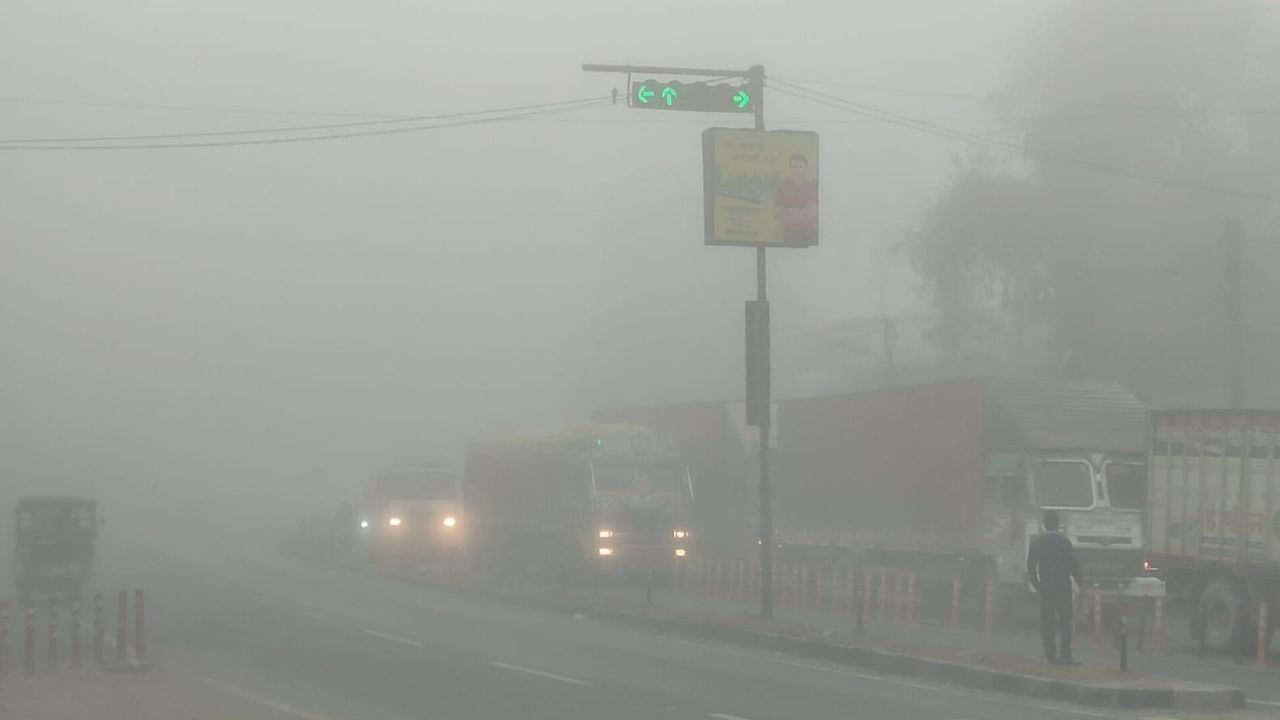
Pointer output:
x,y
364,524
680,534
680,552
450,521
393,521
605,533
605,551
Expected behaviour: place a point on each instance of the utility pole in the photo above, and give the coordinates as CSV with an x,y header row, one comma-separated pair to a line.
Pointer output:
x,y
1235,323
756,78
700,97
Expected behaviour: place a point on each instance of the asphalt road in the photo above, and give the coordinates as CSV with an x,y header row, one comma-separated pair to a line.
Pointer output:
x,y
294,640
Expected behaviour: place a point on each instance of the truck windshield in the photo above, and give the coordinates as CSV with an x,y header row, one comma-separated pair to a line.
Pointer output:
x,y
1127,485
629,480
1064,484
417,485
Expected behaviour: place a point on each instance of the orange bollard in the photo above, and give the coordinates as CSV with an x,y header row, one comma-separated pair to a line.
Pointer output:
x,y
1159,625
1262,634
1097,618
955,602
911,596
989,614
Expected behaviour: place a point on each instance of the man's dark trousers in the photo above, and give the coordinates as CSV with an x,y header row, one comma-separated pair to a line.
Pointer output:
x,y
1055,616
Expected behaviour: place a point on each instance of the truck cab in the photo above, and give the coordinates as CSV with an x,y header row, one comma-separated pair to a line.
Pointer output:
x,y
641,500
412,509
1099,497
54,544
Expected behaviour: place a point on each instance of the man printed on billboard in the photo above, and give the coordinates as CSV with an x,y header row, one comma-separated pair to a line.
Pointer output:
x,y
795,204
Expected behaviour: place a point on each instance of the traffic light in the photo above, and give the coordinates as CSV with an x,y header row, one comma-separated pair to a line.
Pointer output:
x,y
693,97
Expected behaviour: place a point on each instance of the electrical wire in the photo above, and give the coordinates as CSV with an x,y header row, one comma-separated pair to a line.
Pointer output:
x,y
295,128
839,103
196,108
577,106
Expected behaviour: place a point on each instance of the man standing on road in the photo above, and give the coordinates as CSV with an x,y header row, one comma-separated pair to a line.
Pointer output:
x,y
1051,563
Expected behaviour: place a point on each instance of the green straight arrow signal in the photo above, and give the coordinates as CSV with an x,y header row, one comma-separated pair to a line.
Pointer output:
x,y
742,99
669,95
644,94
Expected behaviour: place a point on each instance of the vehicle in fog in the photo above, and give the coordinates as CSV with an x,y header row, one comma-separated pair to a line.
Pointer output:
x,y
54,544
1213,517
412,509
950,480
723,452
587,497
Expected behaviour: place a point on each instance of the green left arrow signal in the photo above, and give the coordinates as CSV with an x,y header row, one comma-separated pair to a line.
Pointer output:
x,y
741,99
669,95
644,94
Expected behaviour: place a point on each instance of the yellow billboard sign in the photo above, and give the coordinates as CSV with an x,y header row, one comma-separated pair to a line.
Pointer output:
x,y
760,187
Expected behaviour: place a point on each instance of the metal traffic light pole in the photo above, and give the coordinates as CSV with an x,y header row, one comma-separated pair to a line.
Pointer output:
x,y
761,388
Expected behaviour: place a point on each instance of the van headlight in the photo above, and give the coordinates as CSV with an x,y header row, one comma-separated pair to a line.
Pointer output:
x,y
605,533
393,521
680,534
449,521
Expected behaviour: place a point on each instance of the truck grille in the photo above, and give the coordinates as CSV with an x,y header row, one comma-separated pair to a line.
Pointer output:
x,y
1109,564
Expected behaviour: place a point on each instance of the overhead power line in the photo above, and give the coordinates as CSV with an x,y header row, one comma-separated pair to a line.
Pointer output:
x,y
565,108
840,103
194,108
295,128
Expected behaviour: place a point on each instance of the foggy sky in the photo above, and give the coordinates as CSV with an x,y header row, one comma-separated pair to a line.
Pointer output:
x,y
253,318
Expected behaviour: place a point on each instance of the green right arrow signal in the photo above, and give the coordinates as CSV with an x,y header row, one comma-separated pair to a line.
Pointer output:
x,y
741,99
644,94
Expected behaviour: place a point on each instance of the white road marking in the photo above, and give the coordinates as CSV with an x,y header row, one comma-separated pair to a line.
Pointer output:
x,y
904,683
539,673
394,638
266,701
722,716
315,616
1268,703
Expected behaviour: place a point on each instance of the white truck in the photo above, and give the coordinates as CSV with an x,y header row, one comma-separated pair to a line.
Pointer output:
x,y
1213,517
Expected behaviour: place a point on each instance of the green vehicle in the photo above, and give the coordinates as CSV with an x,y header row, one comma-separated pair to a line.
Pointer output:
x,y
54,545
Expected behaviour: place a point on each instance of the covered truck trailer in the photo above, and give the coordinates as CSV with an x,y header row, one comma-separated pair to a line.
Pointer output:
x,y
1213,517
950,480
592,497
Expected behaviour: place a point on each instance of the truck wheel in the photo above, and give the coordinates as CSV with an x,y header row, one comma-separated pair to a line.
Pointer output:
x,y
1222,607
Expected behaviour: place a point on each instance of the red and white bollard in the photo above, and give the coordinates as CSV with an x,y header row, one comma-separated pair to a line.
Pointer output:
x,y
75,632
955,602
911,596
4,638
1159,648
867,593
122,623
99,628
883,582
989,607
897,597
1262,634
1097,618
51,660
140,627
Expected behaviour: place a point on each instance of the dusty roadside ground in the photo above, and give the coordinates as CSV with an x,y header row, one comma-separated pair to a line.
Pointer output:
x,y
150,695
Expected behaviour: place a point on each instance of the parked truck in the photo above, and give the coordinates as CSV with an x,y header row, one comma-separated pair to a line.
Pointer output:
x,y
950,480
54,545
581,499
1213,517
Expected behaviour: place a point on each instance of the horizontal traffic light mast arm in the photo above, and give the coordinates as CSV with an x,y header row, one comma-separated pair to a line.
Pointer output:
x,y
652,70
